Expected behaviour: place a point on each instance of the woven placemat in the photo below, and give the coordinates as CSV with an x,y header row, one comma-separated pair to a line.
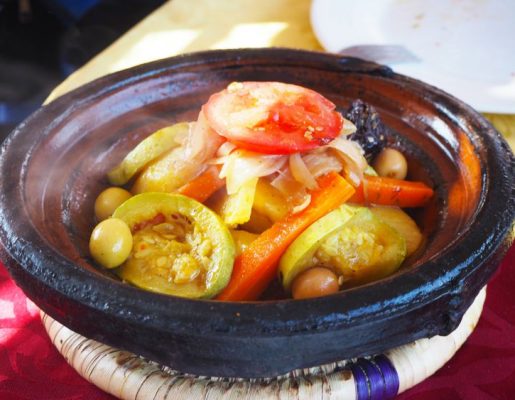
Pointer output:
x,y
128,376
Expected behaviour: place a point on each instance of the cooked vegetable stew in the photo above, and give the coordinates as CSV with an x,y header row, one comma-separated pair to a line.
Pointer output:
x,y
269,184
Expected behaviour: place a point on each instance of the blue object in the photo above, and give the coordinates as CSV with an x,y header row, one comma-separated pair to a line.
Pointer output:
x,y
375,379
71,9
11,113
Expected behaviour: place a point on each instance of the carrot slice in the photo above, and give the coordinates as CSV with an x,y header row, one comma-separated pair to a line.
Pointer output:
x,y
204,185
391,192
256,266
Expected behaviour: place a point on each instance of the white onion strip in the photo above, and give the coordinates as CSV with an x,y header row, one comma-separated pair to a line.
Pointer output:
x,y
321,163
348,128
352,154
225,149
242,166
300,172
202,142
285,183
302,206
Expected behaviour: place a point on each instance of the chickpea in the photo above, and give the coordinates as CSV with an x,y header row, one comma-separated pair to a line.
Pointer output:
x,y
111,242
391,163
109,200
315,282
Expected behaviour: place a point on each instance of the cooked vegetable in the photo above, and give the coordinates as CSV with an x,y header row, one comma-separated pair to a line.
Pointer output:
x,y
269,201
321,161
242,165
315,282
299,255
237,207
178,166
258,223
203,142
147,150
275,163
370,171
391,163
108,201
166,174
300,171
363,250
273,117
370,131
255,268
242,240
180,247
292,190
204,185
392,192
403,224
110,243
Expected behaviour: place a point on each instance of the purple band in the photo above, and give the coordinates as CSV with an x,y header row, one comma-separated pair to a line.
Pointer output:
x,y
375,379
361,381
390,376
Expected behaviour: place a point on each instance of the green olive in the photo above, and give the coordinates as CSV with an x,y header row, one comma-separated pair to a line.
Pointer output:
x,y
109,200
111,242
391,163
314,282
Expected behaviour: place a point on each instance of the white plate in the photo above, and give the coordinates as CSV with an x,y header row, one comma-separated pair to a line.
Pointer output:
x,y
466,47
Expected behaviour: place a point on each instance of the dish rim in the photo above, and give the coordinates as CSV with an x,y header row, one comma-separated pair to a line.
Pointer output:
x,y
441,276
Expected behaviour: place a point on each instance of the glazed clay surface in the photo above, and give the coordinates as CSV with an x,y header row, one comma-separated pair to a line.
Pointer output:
x,y
54,164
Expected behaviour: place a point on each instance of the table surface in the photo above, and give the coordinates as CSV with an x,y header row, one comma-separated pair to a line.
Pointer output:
x,y
31,368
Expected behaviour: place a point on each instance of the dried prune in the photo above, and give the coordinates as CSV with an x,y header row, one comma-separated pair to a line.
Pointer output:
x,y
370,130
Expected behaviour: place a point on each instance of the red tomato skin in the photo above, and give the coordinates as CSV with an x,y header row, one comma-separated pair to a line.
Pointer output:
x,y
301,121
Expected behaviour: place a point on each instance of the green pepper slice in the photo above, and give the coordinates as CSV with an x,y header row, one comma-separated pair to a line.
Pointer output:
x,y
180,247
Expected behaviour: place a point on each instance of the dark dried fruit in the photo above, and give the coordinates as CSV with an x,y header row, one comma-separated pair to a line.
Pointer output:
x,y
370,130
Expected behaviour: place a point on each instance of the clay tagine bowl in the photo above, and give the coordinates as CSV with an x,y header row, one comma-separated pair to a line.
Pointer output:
x,y
54,165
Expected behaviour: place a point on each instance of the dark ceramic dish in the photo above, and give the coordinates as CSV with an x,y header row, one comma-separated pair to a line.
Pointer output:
x,y
54,164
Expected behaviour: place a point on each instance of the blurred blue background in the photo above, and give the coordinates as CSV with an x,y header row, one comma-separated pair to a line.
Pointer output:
x,y
43,41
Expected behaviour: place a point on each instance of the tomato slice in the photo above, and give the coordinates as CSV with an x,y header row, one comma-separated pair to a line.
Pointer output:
x,y
273,117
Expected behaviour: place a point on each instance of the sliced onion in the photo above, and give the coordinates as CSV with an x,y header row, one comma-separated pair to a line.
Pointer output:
x,y
199,145
242,165
218,160
302,206
286,184
300,172
348,128
350,150
352,154
322,162
225,149
202,142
